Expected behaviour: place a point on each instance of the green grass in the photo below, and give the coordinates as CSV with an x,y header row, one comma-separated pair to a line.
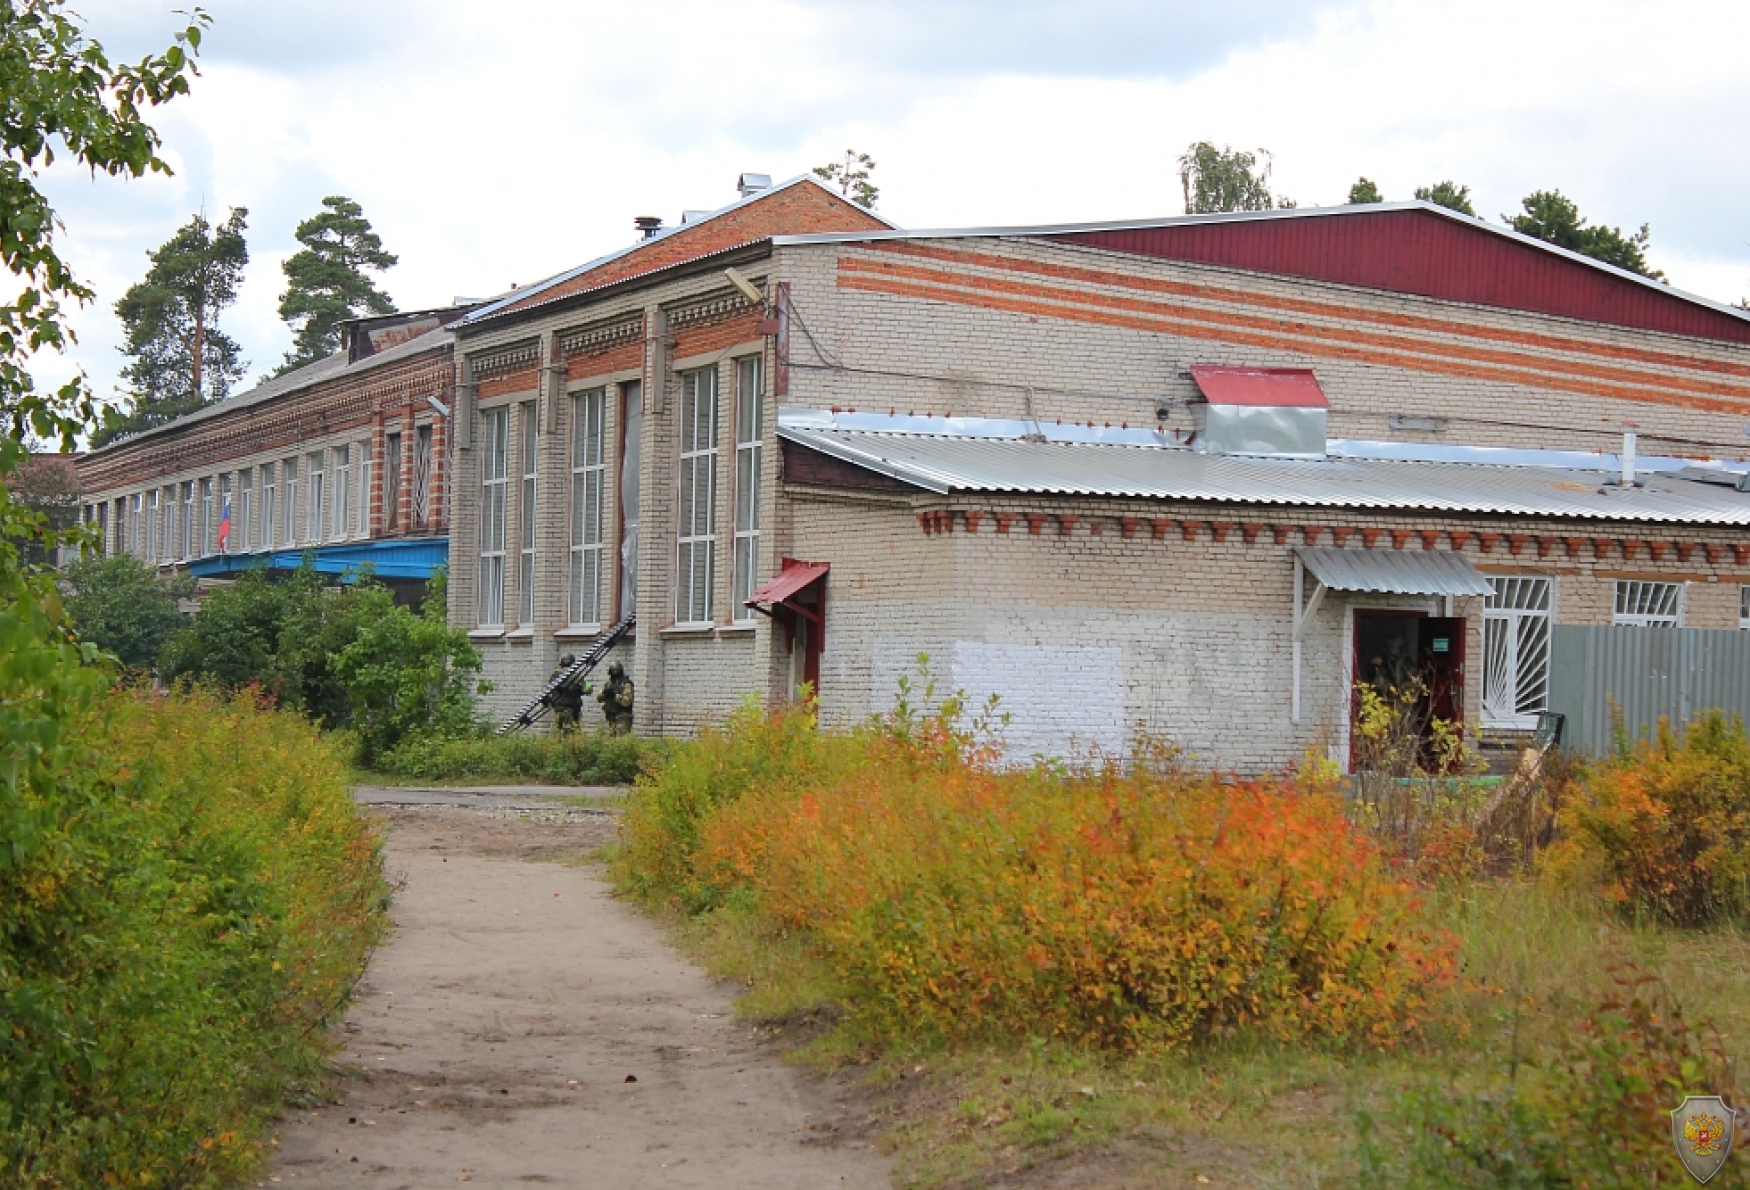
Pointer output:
x,y
583,758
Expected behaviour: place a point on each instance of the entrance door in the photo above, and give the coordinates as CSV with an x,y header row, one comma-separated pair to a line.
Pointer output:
x,y
1415,661
807,619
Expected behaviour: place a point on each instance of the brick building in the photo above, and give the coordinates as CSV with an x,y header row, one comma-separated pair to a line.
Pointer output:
x,y
1199,474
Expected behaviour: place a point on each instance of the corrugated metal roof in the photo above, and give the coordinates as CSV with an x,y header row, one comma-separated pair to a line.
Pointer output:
x,y
1394,573
948,464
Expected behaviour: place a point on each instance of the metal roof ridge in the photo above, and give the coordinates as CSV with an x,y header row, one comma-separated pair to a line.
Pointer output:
x,y
1477,221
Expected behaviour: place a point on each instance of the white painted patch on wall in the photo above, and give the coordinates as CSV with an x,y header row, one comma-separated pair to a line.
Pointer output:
x,y
1062,700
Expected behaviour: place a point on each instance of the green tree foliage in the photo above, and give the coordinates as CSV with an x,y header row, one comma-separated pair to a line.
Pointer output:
x,y
119,604
1448,194
1227,179
59,92
853,176
349,657
1552,216
178,358
1364,191
326,282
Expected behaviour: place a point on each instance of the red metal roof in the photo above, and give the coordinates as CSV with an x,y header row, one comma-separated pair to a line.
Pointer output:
x,y
789,580
1295,387
1426,252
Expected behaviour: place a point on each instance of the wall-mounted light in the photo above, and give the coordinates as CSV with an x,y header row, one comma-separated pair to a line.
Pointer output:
x,y
442,409
748,289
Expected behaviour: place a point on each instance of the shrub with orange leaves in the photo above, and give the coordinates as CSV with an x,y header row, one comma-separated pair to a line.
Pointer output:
x,y
1665,824
1135,907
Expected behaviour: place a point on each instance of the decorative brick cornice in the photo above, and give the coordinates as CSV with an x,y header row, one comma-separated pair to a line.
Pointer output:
x,y
598,336
505,359
714,307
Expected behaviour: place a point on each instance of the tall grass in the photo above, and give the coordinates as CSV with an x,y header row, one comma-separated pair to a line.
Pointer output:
x,y
594,758
198,899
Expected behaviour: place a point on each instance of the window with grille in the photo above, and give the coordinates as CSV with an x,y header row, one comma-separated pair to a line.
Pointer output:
x,y
528,453
695,567
1648,605
392,484
1516,623
588,482
269,489
342,493
289,522
750,428
495,433
315,497
421,477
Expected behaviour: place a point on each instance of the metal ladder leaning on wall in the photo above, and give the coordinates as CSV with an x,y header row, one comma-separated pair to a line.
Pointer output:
x,y
576,672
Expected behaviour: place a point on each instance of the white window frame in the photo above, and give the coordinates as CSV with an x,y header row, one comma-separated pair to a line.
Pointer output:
x,y
589,417
750,429
495,443
269,504
227,490
209,526
528,468
1517,618
167,525
1641,603
188,546
696,552
289,488
364,501
244,528
342,501
315,507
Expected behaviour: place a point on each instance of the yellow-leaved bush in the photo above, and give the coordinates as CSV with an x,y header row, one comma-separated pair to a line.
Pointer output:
x,y
1132,906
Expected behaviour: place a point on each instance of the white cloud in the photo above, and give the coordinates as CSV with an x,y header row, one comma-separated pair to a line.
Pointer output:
x,y
498,144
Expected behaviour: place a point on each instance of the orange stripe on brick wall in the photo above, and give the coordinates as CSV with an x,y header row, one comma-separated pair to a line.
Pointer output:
x,y
1456,351
1194,330
1316,309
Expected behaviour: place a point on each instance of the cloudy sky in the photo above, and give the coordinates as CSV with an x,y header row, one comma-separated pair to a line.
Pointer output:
x,y
497,143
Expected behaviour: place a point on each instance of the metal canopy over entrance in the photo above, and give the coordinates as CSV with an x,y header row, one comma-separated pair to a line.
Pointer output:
x,y
1376,571
796,598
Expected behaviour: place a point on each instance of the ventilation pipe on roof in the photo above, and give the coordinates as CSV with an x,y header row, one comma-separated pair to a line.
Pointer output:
x,y
753,183
647,225
1628,456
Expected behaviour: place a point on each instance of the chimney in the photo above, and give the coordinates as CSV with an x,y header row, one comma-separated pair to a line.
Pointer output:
x,y
1628,455
753,183
647,225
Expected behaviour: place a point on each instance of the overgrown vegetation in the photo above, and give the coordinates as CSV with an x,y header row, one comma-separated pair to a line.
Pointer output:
x,y
122,605
347,656
576,758
190,895
1420,978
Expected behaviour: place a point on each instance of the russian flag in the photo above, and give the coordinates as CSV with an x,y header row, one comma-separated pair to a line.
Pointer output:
x,y
225,525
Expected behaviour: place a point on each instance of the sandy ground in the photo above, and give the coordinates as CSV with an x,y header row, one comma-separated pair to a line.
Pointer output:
x,y
523,1028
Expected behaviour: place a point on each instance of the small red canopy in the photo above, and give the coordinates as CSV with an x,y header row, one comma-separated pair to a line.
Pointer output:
x,y
1291,387
791,579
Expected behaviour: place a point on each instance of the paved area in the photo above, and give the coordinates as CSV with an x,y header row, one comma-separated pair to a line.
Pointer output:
x,y
522,1027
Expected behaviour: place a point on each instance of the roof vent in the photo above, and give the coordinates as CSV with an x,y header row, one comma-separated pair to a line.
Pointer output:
x,y
753,183
647,225
1260,411
693,216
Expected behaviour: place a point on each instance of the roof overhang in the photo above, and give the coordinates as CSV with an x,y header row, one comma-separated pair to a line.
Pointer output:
x,y
1289,388
1388,572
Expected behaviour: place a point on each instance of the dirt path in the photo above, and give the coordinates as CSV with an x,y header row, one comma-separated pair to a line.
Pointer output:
x,y
523,1028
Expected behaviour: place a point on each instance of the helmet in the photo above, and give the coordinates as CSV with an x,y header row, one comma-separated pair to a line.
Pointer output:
x,y
616,670
567,660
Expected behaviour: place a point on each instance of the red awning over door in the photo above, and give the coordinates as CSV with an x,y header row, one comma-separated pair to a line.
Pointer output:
x,y
788,581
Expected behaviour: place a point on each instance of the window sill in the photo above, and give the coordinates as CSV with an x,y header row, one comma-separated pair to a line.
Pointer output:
x,y
688,630
486,634
742,628
520,634
578,632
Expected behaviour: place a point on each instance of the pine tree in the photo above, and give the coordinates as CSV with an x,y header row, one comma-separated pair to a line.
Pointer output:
x,y
1552,216
1448,194
178,358
326,282
854,178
